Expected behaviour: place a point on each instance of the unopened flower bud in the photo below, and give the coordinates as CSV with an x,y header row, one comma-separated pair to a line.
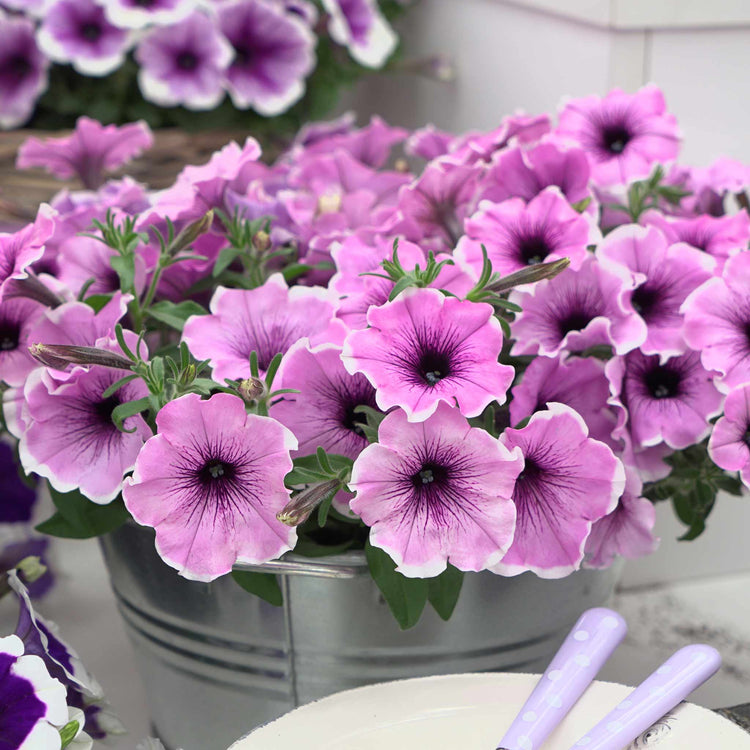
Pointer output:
x,y
261,241
401,165
59,356
32,288
191,233
299,508
529,275
188,374
251,389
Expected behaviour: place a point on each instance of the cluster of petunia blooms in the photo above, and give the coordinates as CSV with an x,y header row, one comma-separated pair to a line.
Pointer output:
x,y
493,351
191,53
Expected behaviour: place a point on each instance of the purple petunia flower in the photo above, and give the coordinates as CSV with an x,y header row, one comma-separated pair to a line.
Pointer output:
x,y
33,702
659,401
20,249
361,28
70,437
89,151
516,234
425,348
729,445
577,382
211,482
436,492
18,543
663,275
78,32
524,173
137,14
574,311
568,482
184,63
717,322
18,317
18,497
23,71
322,413
273,54
623,135
268,320
627,531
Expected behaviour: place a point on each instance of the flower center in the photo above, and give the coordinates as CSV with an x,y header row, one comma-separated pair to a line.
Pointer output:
x,y
215,470
531,470
431,475
18,67
663,382
243,56
104,409
143,3
746,437
187,61
644,300
533,250
10,333
575,320
616,138
91,31
433,367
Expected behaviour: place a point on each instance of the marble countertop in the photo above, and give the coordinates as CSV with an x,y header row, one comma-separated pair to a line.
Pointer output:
x,y
661,619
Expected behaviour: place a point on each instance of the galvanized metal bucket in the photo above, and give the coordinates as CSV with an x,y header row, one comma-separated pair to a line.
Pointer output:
x,y
216,661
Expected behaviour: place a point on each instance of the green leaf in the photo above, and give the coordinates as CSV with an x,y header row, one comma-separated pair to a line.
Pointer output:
x,y
225,259
263,585
129,409
78,517
406,597
443,591
403,283
124,266
582,205
294,271
97,301
693,508
118,384
175,315
68,733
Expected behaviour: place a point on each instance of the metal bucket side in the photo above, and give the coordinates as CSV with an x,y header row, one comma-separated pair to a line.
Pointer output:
x,y
215,662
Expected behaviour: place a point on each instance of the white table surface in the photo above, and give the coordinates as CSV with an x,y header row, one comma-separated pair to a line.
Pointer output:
x,y
661,619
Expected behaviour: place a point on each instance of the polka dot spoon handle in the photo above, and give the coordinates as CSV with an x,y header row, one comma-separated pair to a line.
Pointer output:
x,y
588,645
658,694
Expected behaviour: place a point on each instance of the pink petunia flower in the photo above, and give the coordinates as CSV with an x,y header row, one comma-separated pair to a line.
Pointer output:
x,y
267,320
17,318
184,63
424,348
659,401
88,152
70,437
78,32
577,382
623,135
436,492
717,322
516,234
663,276
211,483
362,29
628,531
729,445
20,249
568,482
273,55
574,311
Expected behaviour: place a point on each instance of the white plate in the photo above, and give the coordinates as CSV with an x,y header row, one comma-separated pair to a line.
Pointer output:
x,y
469,712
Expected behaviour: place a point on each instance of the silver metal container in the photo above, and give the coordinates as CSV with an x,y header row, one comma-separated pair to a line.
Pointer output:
x,y
216,661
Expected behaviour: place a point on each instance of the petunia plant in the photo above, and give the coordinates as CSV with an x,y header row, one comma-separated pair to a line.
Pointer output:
x,y
268,65
496,361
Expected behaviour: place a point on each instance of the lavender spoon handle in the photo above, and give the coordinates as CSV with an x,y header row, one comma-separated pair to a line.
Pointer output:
x,y
658,694
588,645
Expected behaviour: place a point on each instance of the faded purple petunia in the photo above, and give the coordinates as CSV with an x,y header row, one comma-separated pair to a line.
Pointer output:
x,y
33,702
574,311
361,27
436,492
273,55
211,483
659,401
425,348
137,14
18,497
623,135
729,445
184,63
23,71
516,234
78,32
70,437
568,482
267,320
88,152
717,322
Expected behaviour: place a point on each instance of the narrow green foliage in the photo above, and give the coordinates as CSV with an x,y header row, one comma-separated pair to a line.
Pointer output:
x,y
444,590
